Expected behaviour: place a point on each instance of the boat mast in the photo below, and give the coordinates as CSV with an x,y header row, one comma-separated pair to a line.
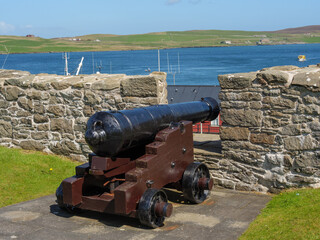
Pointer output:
x,y
168,63
66,57
178,62
92,64
5,60
79,67
158,60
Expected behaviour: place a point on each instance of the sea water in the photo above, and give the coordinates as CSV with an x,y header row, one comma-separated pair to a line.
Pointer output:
x,y
185,66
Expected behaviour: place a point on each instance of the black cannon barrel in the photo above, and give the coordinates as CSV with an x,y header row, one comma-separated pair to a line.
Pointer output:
x,y
111,132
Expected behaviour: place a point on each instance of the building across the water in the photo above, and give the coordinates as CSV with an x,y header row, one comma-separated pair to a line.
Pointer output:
x,y
188,93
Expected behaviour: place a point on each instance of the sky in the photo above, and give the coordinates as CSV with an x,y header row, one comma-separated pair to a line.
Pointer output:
x,y
67,18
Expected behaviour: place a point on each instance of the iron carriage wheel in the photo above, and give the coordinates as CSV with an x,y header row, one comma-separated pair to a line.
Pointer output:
x,y
196,182
153,208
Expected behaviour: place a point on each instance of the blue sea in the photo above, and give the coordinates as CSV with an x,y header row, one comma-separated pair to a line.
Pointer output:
x,y
185,66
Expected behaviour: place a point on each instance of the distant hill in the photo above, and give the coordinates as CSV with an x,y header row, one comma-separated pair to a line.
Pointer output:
x,y
300,30
159,40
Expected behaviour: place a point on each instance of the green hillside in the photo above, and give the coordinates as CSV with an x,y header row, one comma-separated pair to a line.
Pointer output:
x,y
107,42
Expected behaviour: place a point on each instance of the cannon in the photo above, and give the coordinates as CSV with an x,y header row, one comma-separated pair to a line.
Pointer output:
x,y
135,154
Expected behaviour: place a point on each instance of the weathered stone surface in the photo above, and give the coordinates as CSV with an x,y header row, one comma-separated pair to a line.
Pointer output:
x,y
272,92
301,179
22,113
12,93
314,126
57,110
56,100
140,86
25,103
38,118
233,104
302,119
279,102
311,99
300,143
273,76
246,96
5,129
4,104
288,161
241,117
39,135
234,133
65,148
106,84
275,159
150,101
43,127
307,163
292,130
61,125
92,98
38,108
46,108
31,145
310,79
38,95
60,85
237,80
284,131
22,82
88,111
41,86
227,145
308,109
262,138
281,68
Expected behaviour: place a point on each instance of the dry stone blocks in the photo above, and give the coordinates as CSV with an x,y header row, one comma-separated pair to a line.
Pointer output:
x,y
271,129
49,112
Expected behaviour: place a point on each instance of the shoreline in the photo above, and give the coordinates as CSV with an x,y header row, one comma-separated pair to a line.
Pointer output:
x,y
120,50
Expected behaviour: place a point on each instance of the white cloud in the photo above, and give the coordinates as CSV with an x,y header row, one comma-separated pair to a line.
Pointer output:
x,y
171,2
28,26
6,28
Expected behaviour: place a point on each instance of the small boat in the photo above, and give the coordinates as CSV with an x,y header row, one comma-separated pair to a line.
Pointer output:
x,y
302,58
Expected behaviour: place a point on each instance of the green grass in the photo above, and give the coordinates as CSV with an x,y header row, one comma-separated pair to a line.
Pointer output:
x,y
173,39
26,175
289,215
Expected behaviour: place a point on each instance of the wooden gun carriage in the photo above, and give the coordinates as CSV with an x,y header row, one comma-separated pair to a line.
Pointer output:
x,y
135,154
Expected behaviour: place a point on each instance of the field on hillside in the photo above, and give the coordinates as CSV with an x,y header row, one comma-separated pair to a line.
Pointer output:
x,y
107,42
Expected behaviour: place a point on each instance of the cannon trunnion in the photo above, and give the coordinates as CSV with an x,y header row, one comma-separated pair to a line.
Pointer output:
x,y
137,153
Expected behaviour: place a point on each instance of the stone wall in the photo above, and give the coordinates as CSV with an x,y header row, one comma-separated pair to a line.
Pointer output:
x,y
271,130
49,112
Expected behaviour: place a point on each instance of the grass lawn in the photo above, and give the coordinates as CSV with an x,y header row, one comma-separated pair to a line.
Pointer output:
x,y
26,175
289,215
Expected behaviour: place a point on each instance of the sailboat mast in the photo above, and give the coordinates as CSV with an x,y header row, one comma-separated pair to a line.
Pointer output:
x,y
80,66
66,70
178,63
168,62
158,60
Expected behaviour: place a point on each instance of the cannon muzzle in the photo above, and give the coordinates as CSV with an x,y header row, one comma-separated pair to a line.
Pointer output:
x,y
111,132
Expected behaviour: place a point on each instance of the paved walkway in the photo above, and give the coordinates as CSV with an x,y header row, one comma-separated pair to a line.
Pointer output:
x,y
225,214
